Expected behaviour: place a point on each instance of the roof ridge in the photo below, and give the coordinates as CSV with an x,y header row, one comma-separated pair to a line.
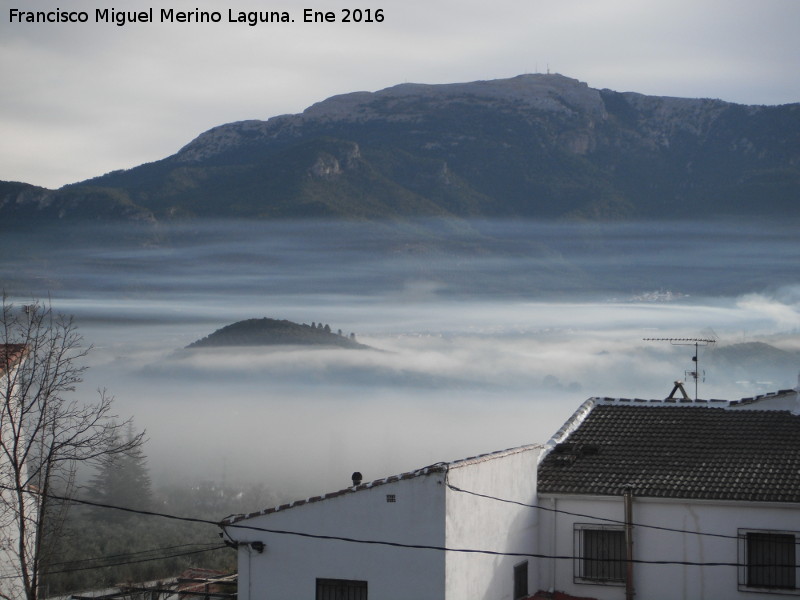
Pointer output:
x,y
492,455
439,467
569,427
699,402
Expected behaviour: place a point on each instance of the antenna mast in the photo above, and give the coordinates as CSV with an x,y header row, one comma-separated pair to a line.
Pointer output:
x,y
696,342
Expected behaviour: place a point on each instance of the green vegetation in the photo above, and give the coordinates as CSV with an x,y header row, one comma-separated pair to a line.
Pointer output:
x,y
269,332
100,547
96,554
539,148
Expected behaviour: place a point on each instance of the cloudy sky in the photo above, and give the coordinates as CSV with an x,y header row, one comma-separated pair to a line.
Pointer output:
x,y
80,99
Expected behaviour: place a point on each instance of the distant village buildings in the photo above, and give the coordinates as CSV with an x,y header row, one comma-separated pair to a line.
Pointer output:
x,y
656,499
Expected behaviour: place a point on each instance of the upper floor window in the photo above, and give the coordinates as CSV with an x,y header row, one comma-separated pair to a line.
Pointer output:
x,y
769,561
599,554
341,589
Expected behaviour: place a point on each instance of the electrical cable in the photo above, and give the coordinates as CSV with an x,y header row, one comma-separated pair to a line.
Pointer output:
x,y
134,562
450,486
596,518
136,511
127,554
475,551
223,526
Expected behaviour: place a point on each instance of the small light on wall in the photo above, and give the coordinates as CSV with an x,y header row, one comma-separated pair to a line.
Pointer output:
x,y
258,546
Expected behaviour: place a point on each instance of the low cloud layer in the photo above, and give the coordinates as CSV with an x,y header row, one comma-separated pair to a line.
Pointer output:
x,y
466,360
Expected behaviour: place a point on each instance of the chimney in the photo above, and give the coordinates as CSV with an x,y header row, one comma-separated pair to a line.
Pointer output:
x,y
356,478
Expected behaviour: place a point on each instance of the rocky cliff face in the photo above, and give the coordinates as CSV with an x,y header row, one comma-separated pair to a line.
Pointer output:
x,y
21,204
539,146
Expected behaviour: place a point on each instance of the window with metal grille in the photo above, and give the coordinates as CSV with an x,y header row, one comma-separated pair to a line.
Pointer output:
x,y
770,560
521,580
599,554
341,589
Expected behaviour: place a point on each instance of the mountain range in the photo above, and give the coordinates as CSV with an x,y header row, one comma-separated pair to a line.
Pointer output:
x,y
533,146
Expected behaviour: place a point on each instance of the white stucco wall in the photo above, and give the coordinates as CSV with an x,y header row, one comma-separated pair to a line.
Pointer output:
x,y
481,523
11,582
782,401
290,565
663,582
425,512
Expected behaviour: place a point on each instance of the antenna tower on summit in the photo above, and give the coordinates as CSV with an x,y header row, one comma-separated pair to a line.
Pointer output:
x,y
696,373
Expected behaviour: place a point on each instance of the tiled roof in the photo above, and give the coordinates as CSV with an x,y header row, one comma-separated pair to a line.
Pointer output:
x,y
441,467
10,355
677,450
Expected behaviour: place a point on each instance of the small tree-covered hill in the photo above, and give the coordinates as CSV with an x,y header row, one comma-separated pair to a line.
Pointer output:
x,y
273,332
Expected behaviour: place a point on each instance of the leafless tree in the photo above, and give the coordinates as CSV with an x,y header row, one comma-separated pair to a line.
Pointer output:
x,y
47,432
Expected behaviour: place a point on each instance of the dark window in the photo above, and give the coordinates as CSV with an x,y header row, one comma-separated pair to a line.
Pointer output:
x,y
521,580
600,555
771,560
341,589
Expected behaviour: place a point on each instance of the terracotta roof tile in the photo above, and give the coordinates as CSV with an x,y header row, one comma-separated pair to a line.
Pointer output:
x,y
10,356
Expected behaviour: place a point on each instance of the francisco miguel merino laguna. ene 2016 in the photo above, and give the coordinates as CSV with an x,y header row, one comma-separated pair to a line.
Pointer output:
x,y
165,15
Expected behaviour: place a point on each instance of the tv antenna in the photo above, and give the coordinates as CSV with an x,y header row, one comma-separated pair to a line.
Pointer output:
x,y
696,373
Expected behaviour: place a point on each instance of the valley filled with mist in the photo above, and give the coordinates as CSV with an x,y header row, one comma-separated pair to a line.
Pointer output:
x,y
483,335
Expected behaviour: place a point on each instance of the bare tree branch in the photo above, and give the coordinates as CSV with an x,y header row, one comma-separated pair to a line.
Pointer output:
x,y
46,434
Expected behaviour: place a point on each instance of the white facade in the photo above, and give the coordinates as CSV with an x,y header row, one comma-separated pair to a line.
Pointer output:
x,y
415,509
685,544
488,533
476,522
783,400
729,520
11,582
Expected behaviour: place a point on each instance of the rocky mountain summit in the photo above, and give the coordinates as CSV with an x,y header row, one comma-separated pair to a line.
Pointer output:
x,y
533,146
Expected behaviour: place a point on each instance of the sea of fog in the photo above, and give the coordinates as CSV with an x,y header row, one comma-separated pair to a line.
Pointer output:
x,y
485,335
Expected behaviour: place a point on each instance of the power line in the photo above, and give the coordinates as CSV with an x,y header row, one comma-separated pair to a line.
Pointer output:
x,y
72,569
134,562
473,550
126,555
223,526
585,516
454,488
136,511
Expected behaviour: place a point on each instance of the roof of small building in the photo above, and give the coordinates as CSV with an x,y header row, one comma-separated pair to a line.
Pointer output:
x,y
10,356
440,467
678,449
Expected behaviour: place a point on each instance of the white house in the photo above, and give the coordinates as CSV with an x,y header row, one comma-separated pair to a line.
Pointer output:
x,y
11,583
649,499
401,537
713,500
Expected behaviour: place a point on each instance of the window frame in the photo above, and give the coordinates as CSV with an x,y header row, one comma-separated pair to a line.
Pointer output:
x,y
584,575
352,584
745,565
